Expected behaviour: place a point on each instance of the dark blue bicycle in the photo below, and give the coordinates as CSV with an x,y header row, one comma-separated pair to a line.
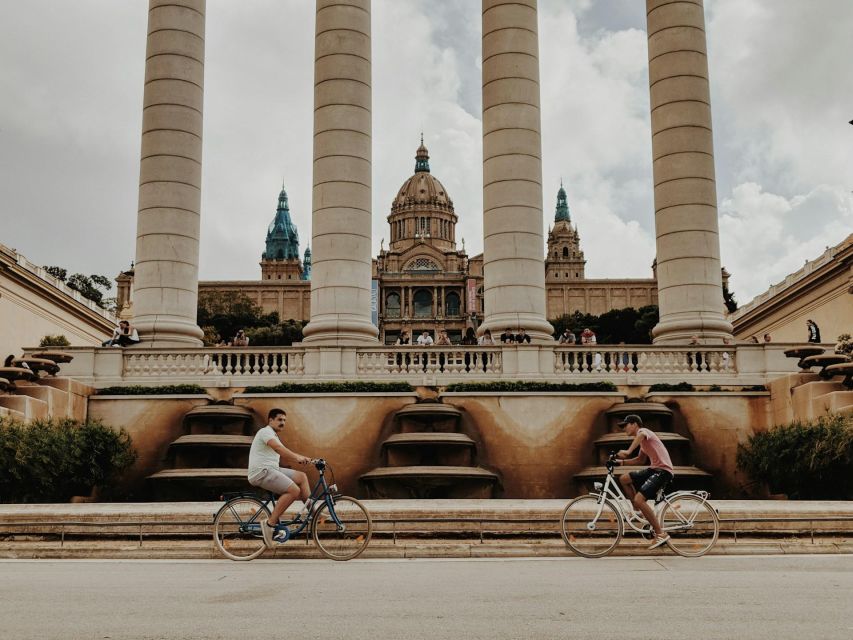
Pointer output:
x,y
340,525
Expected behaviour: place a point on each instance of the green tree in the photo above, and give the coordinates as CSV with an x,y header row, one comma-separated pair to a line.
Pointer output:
x,y
280,335
226,312
57,272
628,325
94,287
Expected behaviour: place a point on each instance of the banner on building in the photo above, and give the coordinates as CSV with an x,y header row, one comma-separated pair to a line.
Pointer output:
x,y
374,301
471,295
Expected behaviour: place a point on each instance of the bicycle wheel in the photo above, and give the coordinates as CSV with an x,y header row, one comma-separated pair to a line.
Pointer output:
x,y
692,524
587,535
237,528
346,534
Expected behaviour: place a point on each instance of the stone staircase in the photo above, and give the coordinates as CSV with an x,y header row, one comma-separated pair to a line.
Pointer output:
x,y
45,397
823,386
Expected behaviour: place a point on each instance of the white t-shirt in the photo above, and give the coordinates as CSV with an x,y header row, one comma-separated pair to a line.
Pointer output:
x,y
261,455
425,340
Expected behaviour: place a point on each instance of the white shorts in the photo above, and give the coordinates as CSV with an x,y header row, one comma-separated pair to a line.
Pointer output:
x,y
276,480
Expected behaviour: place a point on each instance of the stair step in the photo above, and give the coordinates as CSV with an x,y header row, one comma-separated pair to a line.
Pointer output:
x,y
401,439
30,408
429,472
210,473
833,402
213,440
57,400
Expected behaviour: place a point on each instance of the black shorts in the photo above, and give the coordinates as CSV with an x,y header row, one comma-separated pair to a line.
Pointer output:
x,y
649,481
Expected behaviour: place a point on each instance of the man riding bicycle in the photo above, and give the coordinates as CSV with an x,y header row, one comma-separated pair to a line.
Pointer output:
x,y
650,480
265,472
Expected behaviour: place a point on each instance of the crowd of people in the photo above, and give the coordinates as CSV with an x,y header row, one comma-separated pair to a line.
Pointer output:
x,y
125,335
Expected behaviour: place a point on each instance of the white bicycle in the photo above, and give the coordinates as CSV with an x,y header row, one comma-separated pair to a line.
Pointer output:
x,y
593,524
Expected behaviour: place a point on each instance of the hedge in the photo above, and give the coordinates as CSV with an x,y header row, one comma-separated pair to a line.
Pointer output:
x,y
163,390
531,386
52,460
806,460
665,386
335,387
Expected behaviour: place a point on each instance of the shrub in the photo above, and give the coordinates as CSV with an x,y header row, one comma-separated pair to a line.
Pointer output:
x,y
844,344
531,386
664,386
54,341
334,387
52,460
807,460
163,390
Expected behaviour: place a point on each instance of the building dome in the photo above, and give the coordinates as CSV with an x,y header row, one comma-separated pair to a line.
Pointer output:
x,y
422,190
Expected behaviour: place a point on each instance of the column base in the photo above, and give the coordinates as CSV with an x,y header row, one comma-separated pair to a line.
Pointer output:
x,y
709,330
158,331
340,331
537,327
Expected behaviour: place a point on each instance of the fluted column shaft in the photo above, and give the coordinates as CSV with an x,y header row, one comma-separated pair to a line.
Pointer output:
x,y
513,247
167,223
341,229
688,245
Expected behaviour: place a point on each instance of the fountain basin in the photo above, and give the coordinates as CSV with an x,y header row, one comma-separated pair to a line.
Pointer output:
x,y
430,482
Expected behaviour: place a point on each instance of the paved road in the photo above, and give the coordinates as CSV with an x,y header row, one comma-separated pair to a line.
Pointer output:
x,y
774,597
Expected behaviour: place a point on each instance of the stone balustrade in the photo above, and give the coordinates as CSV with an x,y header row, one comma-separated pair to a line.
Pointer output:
x,y
452,361
644,360
622,364
212,363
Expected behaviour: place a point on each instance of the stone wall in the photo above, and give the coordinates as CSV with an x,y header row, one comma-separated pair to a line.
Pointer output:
x,y
536,442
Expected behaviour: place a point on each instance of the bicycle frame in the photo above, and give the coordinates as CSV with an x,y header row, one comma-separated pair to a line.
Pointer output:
x,y
321,491
611,489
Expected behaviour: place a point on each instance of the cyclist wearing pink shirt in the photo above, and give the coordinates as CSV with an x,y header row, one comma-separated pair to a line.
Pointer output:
x,y
649,480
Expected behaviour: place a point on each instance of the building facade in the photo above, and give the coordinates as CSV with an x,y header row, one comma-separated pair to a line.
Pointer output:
x,y
34,304
821,291
424,280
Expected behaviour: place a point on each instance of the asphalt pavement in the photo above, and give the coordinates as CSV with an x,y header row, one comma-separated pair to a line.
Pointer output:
x,y
776,597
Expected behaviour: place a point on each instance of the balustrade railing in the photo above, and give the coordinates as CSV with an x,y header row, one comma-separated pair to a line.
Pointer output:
x,y
242,362
495,362
644,360
460,361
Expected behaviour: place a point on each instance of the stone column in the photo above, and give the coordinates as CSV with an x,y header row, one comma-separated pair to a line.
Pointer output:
x,y
167,224
341,232
513,247
688,245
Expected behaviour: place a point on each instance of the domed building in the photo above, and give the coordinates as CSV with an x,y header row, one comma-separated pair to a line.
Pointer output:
x,y
425,282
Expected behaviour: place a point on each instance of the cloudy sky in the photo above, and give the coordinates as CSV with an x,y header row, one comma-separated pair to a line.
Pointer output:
x,y
71,83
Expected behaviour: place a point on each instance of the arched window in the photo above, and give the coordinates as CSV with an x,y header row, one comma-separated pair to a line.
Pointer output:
x,y
392,305
422,301
421,264
565,252
452,304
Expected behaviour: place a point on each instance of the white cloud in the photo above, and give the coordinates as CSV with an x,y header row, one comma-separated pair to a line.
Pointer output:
x,y
778,233
69,138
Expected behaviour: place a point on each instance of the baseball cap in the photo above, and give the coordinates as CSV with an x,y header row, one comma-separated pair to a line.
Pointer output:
x,y
631,417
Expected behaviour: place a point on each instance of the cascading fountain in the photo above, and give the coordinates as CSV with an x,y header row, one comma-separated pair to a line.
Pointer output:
x,y
658,418
211,457
429,456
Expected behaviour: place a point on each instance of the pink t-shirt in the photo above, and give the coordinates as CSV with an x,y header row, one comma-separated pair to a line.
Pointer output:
x,y
652,446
